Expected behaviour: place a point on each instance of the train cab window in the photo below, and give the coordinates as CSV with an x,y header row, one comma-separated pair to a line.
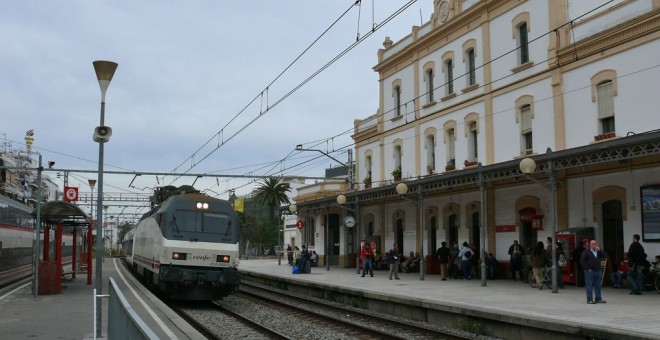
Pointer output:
x,y
199,222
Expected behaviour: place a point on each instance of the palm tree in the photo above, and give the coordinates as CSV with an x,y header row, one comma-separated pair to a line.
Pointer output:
x,y
272,193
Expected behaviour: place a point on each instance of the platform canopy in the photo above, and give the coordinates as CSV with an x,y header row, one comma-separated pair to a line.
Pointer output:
x,y
65,213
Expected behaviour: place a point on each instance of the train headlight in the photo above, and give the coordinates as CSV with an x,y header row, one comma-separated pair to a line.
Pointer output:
x,y
202,205
223,258
179,256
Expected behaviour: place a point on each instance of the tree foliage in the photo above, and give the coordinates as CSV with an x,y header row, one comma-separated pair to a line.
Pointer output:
x,y
123,229
273,193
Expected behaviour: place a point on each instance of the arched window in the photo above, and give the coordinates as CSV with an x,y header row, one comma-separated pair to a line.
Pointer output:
x,y
449,77
428,76
521,29
524,117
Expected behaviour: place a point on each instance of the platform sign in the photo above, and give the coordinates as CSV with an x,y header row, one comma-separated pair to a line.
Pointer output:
x,y
71,194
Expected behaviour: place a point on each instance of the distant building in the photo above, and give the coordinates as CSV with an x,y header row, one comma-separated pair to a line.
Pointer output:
x,y
18,177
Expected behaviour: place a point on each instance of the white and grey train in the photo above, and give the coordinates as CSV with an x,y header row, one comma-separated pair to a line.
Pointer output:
x,y
187,248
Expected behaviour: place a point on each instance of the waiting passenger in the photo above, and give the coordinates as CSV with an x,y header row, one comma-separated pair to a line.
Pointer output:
x,y
465,254
455,263
539,261
296,256
405,266
492,266
413,263
314,259
622,272
304,258
516,252
444,258
392,257
366,255
474,262
655,266
289,254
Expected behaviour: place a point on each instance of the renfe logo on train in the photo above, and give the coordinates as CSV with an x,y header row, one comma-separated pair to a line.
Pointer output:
x,y
204,257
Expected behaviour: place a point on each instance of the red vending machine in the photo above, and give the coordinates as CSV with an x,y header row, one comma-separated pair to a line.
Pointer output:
x,y
570,240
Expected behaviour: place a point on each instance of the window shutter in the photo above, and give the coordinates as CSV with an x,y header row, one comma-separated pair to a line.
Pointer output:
x,y
605,102
525,119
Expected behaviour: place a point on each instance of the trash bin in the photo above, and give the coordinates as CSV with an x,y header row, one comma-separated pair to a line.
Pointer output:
x,y
50,278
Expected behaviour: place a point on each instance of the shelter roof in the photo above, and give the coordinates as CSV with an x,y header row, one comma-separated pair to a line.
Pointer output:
x,y
65,213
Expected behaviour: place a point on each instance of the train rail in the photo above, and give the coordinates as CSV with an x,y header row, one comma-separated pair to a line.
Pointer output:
x,y
216,322
258,312
345,321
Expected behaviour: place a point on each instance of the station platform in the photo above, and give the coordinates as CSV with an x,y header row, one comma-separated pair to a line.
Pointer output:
x,y
632,315
70,315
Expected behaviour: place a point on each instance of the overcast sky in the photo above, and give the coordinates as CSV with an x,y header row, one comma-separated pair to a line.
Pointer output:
x,y
186,69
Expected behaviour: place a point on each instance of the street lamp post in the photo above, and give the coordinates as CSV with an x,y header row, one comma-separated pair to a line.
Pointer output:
x,y
92,183
528,166
104,71
292,209
402,189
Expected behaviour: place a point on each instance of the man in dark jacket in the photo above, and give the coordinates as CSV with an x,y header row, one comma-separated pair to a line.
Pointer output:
x,y
636,259
392,257
444,258
516,251
590,261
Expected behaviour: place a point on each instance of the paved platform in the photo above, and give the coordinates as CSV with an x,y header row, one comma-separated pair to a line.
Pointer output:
x,y
623,313
70,315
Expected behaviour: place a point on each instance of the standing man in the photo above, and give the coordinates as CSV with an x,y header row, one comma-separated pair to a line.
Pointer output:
x,y
516,252
636,259
465,254
590,261
289,254
393,260
366,254
443,258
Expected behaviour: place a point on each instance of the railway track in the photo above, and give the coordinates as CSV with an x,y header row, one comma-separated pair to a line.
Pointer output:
x,y
217,322
258,312
348,322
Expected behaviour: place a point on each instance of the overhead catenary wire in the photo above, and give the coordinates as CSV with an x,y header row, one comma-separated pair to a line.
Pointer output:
x,y
260,95
285,96
350,130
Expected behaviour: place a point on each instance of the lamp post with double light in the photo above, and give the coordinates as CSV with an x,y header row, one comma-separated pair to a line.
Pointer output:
x,y
104,71
402,189
528,166
292,210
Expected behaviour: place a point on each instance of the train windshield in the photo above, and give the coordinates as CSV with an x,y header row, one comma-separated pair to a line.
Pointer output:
x,y
201,222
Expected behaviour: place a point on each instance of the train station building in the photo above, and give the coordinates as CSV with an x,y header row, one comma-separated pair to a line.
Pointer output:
x,y
505,120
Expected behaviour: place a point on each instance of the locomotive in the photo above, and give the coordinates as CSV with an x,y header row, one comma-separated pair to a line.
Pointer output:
x,y
187,248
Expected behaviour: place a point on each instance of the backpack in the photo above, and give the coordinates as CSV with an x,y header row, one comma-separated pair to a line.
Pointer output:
x,y
468,254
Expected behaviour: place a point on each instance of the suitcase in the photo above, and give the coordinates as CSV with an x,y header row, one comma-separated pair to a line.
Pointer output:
x,y
308,267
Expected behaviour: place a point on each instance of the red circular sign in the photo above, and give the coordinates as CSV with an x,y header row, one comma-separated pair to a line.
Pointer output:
x,y
71,194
